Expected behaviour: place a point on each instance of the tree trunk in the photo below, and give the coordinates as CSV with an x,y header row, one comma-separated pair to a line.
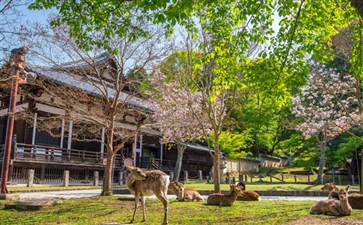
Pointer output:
x,y
216,157
181,148
322,160
107,177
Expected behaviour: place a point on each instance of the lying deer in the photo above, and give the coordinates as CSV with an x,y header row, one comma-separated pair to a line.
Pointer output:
x,y
355,200
332,189
184,194
145,183
248,195
224,200
334,207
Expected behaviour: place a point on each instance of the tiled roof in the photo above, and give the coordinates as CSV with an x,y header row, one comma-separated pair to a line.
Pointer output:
x,y
59,74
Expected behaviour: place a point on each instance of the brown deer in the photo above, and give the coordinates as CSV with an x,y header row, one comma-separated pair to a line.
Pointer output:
x,y
334,207
224,200
145,183
248,195
355,200
184,194
332,189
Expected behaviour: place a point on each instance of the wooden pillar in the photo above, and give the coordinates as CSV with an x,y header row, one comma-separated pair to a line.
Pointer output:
x,y
66,178
30,178
70,129
62,134
96,177
34,128
200,175
102,150
134,149
141,137
185,177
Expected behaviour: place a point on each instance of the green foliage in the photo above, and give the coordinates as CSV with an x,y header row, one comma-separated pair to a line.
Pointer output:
x,y
183,66
228,28
347,150
293,144
234,144
308,158
138,78
264,104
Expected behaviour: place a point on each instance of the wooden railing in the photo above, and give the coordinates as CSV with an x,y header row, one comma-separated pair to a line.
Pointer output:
x,y
26,152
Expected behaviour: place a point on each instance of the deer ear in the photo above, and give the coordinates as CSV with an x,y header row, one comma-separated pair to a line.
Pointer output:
x,y
347,188
130,168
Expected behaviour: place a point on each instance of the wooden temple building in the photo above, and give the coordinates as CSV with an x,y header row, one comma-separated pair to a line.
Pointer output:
x,y
50,155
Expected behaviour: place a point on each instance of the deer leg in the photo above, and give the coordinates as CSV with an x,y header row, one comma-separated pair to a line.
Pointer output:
x,y
334,211
136,204
143,208
162,197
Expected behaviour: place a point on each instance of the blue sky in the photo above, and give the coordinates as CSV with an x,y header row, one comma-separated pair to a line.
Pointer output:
x,y
29,17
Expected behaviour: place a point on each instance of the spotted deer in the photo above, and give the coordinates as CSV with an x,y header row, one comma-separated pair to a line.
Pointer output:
x,y
184,194
224,200
145,183
334,207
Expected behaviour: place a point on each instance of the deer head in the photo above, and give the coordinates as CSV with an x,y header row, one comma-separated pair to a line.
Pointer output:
x,y
329,186
343,193
136,172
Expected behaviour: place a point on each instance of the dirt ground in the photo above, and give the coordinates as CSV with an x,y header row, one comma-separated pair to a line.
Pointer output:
x,y
314,220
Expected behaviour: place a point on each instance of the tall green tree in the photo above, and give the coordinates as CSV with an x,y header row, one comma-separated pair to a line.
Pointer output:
x,y
225,30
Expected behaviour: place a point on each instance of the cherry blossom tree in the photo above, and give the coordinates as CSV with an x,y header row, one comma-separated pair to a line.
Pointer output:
x,y
329,105
178,114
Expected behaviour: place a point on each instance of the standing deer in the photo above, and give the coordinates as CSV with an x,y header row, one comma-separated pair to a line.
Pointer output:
x,y
184,194
145,183
334,207
224,200
355,200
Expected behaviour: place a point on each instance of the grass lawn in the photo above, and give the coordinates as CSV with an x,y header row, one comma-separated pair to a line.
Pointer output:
x,y
103,210
267,186
195,185
22,188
